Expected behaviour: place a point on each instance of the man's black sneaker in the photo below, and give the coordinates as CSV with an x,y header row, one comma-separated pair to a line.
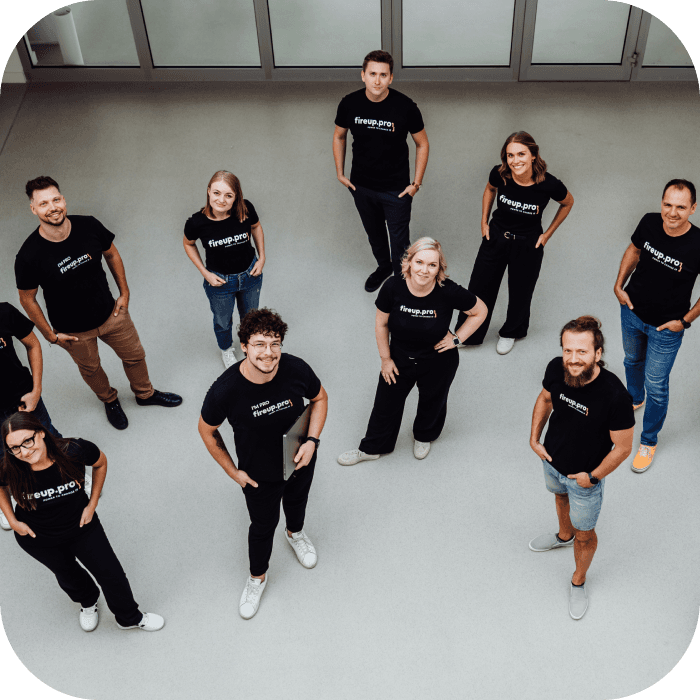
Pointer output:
x,y
160,398
374,281
115,415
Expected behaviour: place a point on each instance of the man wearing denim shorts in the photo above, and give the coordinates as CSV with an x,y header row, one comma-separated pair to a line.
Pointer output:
x,y
663,260
590,434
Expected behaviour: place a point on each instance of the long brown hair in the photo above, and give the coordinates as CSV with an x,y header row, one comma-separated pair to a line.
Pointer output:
x,y
239,208
18,475
539,167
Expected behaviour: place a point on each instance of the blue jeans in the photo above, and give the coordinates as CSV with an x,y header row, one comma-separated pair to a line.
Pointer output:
x,y
649,358
40,413
584,503
243,288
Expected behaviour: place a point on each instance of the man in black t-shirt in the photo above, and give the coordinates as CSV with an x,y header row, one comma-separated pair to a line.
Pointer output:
x,y
656,305
589,435
261,397
63,256
380,120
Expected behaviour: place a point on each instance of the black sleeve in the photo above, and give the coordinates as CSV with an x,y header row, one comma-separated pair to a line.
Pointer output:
x,y
621,416
313,384
341,117
639,233
20,325
495,179
557,189
462,299
83,451
552,374
191,227
25,274
252,214
414,119
213,411
105,236
385,299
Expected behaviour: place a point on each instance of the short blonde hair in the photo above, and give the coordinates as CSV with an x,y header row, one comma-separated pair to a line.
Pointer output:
x,y
425,243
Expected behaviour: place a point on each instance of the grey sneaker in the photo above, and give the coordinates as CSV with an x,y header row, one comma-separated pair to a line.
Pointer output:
x,y
303,548
544,543
578,601
229,357
347,459
89,618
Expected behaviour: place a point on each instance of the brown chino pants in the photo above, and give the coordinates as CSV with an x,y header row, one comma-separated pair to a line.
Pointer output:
x,y
120,334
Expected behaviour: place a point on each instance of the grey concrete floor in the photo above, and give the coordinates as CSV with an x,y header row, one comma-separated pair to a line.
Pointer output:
x,y
425,585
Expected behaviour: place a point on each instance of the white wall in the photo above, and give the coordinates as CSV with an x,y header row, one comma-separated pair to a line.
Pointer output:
x,y
13,70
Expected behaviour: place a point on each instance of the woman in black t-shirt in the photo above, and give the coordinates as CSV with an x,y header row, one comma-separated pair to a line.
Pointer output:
x,y
522,188
55,521
416,309
227,226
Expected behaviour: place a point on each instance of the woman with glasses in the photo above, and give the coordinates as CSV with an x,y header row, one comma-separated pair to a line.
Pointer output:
x,y
514,239
415,311
227,226
55,521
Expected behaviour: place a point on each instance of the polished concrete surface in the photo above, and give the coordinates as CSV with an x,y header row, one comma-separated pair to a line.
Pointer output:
x,y
425,585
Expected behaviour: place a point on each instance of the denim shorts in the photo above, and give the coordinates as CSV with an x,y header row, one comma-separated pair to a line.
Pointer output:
x,y
584,504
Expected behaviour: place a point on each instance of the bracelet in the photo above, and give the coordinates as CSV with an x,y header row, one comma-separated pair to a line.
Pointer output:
x,y
316,441
416,185
55,341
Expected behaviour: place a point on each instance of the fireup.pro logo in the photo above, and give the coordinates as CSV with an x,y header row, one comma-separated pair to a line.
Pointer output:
x,y
665,260
265,408
66,264
520,207
574,404
418,313
380,124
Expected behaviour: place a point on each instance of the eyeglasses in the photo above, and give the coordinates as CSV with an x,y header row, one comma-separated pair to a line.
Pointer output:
x,y
275,347
27,444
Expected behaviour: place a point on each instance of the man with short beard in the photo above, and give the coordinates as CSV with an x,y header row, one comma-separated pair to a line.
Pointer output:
x,y
590,434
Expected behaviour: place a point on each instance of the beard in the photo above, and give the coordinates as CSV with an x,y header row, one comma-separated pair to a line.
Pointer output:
x,y
58,222
576,382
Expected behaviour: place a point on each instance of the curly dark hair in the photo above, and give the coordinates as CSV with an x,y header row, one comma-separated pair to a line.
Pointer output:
x,y
43,182
17,474
265,321
379,57
584,324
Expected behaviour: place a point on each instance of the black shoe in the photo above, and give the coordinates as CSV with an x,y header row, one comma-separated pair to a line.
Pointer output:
x,y
115,415
160,398
374,281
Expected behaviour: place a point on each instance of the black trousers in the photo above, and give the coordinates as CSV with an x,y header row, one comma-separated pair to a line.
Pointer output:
x,y
434,377
523,261
264,510
93,550
379,211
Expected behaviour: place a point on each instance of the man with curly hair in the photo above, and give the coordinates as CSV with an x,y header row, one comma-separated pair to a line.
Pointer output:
x,y
261,397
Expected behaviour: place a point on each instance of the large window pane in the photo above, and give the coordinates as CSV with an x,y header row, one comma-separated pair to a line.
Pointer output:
x,y
457,33
322,33
211,33
580,31
664,48
98,31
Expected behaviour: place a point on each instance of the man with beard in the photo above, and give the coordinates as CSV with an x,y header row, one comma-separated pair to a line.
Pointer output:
x,y
589,436
63,256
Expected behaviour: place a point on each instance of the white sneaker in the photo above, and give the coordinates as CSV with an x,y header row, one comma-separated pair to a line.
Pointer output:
x,y
229,357
303,548
150,622
4,524
504,345
89,617
250,600
420,449
347,459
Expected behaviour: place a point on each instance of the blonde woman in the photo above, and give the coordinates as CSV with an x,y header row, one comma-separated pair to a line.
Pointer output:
x,y
414,313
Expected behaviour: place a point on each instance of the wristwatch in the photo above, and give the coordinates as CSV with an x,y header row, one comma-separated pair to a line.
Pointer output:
x,y
416,185
686,325
456,341
594,479
316,441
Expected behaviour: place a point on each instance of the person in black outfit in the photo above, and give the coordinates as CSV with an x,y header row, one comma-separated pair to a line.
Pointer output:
x,y
63,256
514,239
416,309
591,427
380,120
226,226
261,397
55,521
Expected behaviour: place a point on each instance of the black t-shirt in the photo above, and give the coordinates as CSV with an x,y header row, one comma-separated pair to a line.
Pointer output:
x,y
59,502
75,286
578,435
379,132
416,324
662,283
260,414
15,378
227,243
519,209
